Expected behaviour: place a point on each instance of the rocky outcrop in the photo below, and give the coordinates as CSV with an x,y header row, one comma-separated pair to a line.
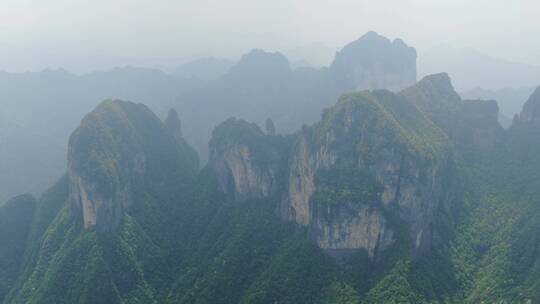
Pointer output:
x,y
530,115
522,136
247,162
173,125
110,156
357,167
373,165
342,230
240,174
103,211
375,62
301,184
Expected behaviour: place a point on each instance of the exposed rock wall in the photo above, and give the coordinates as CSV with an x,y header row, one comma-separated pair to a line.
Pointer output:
x,y
412,187
531,110
343,229
371,167
97,208
248,163
239,174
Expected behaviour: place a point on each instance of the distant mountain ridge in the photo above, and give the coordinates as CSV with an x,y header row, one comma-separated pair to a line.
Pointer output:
x,y
510,100
263,85
206,69
375,62
471,69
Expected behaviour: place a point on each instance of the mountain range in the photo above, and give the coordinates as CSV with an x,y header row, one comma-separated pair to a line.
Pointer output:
x,y
472,69
39,109
409,197
363,186
263,85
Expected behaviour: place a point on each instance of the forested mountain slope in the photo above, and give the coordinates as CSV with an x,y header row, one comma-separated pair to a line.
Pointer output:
x,y
410,197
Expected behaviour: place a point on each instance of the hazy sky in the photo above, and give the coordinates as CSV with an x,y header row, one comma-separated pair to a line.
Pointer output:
x,y
38,33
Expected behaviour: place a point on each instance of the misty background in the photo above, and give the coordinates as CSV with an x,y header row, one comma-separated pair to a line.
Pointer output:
x,y
82,36
59,59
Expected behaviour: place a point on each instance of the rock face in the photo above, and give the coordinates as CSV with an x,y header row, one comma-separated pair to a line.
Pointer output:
x,y
530,114
345,229
247,162
110,156
524,129
372,166
241,173
363,162
374,62
173,124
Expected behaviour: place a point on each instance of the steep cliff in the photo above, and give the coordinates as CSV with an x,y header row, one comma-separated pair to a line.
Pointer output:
x,y
112,154
248,163
530,115
105,237
361,207
522,138
372,166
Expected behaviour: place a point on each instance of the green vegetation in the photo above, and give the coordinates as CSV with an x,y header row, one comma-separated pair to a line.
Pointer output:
x,y
266,149
346,185
435,97
370,121
236,131
181,240
496,247
15,222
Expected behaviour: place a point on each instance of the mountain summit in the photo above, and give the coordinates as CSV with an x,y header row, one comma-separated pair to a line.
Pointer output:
x,y
111,155
263,85
375,62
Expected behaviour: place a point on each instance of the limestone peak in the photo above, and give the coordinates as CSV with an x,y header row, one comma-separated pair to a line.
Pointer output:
x,y
375,62
109,156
